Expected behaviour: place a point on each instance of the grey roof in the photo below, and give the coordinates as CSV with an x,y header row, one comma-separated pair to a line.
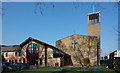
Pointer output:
x,y
60,51
54,48
11,48
18,47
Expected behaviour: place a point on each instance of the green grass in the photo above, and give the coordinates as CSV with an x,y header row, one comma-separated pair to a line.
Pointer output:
x,y
71,70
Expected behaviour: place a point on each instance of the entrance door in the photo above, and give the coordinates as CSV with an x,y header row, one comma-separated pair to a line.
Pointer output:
x,y
32,54
40,61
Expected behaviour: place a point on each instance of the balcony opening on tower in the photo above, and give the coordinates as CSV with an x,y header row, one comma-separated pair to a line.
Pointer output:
x,y
94,18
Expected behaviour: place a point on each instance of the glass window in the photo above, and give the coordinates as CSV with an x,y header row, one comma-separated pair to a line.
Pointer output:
x,y
10,61
16,54
19,60
23,60
19,53
15,61
94,18
6,54
32,48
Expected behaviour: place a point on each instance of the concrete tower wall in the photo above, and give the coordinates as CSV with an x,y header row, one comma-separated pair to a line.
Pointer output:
x,y
94,29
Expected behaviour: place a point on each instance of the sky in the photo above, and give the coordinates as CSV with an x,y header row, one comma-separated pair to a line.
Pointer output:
x,y
22,20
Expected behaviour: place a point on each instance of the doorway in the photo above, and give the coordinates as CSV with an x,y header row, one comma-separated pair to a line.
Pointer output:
x,y
32,54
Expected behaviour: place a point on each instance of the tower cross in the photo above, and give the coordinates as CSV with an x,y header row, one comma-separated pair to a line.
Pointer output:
x,y
94,8
74,43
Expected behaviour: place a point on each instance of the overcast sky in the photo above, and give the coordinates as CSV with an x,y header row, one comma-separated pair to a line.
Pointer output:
x,y
20,22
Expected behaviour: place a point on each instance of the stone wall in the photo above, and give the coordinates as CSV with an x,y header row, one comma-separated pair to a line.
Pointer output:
x,y
49,52
52,61
86,46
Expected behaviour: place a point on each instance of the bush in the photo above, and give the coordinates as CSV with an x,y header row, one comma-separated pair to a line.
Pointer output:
x,y
86,60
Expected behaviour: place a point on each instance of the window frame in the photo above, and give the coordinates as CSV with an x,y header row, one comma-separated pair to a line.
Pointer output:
x,y
6,54
16,54
32,48
19,60
20,53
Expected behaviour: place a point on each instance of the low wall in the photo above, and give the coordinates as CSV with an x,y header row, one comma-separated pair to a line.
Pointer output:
x,y
54,62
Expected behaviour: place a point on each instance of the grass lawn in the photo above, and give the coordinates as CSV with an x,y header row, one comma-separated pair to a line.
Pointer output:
x,y
71,70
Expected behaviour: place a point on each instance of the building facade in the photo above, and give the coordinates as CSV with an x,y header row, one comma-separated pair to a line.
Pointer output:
x,y
81,46
34,52
114,59
94,30
68,51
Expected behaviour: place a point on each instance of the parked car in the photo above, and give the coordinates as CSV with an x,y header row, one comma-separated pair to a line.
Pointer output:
x,y
22,66
19,66
8,66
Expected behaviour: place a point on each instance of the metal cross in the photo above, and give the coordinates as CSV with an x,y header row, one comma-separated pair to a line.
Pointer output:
x,y
94,8
74,45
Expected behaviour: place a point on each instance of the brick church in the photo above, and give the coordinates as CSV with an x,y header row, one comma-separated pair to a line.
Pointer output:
x,y
68,51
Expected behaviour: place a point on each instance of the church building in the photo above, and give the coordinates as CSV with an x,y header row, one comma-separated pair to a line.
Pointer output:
x,y
81,46
32,52
68,51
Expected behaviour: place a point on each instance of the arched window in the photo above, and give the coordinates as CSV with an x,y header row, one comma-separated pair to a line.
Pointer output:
x,y
32,48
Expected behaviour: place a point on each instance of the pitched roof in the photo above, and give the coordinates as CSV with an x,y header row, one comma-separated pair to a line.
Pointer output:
x,y
10,48
32,39
5,48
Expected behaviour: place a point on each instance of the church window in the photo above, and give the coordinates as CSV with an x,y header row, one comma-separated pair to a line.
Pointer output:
x,y
6,54
19,60
16,54
23,60
32,48
15,61
32,54
19,53
10,61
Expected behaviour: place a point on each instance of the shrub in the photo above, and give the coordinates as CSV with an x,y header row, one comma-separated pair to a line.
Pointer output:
x,y
86,60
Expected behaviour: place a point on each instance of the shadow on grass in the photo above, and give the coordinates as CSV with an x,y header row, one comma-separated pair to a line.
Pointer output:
x,y
73,70
117,70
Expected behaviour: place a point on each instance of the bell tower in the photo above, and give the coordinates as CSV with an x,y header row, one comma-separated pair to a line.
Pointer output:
x,y
94,30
